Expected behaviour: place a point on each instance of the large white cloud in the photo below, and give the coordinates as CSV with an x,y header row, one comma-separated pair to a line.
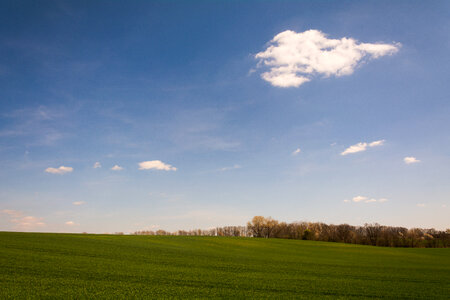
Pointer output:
x,y
294,58
362,146
61,170
156,165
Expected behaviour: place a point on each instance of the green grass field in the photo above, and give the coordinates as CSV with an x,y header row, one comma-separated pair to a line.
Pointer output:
x,y
106,266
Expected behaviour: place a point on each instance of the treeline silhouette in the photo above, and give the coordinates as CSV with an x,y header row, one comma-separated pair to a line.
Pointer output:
x,y
369,234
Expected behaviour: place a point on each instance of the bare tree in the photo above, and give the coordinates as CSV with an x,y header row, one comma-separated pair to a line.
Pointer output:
x,y
256,226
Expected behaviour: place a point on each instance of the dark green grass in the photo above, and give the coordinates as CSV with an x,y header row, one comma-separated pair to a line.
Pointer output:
x,y
106,266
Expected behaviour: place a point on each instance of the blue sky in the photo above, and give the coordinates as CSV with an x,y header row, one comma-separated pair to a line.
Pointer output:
x,y
194,111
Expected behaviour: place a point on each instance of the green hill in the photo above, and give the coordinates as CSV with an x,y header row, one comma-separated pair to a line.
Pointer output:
x,y
78,266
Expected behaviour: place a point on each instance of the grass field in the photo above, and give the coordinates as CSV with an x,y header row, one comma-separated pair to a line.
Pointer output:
x,y
106,266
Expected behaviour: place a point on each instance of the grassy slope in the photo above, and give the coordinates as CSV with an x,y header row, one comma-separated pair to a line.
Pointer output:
x,y
87,266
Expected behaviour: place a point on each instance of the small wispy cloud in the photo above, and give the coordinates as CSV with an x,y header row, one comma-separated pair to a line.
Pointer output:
x,y
97,165
155,165
117,168
41,125
78,203
297,151
355,148
371,200
410,160
61,170
70,223
23,222
421,205
362,146
360,199
294,58
12,213
230,168
376,143
29,222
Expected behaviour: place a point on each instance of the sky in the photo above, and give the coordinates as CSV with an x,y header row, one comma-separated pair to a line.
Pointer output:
x,y
118,116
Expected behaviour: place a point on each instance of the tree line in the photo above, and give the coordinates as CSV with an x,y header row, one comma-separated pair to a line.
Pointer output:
x,y
369,234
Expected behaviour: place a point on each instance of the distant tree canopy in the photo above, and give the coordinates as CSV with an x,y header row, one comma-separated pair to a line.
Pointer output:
x,y
369,234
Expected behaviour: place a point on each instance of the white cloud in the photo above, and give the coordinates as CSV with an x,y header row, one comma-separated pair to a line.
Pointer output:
x,y
97,165
355,148
61,170
294,58
376,143
421,205
297,151
362,146
230,168
371,200
366,199
155,164
410,160
359,198
70,223
117,168
284,78
78,203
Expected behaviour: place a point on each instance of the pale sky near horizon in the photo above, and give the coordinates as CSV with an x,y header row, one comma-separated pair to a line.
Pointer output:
x,y
146,115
